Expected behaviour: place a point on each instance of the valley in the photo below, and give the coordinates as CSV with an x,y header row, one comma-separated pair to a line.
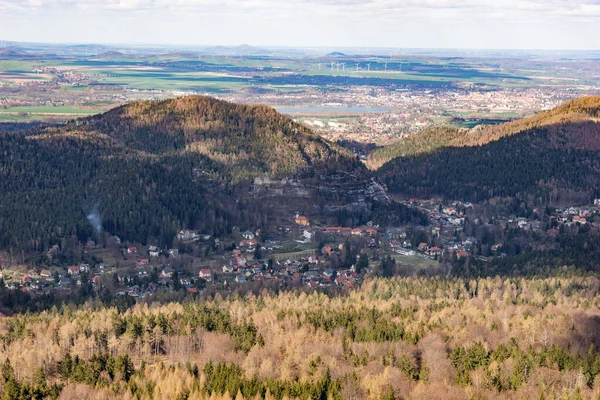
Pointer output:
x,y
425,233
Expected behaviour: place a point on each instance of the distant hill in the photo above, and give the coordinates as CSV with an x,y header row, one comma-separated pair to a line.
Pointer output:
x,y
151,168
9,53
181,54
553,157
242,50
107,55
336,54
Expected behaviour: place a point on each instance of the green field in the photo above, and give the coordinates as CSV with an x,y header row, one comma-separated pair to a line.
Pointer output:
x,y
44,113
49,110
415,261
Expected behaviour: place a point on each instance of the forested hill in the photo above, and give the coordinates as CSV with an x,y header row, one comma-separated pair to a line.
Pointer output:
x,y
245,140
585,109
151,168
553,157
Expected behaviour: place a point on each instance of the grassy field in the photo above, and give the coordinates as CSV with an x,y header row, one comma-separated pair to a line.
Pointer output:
x,y
44,113
415,261
49,110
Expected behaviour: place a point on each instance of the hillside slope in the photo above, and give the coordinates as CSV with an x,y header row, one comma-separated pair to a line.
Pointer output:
x,y
151,168
553,157
585,109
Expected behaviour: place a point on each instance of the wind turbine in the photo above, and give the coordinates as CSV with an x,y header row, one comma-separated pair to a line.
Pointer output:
x,y
385,67
343,66
319,66
357,67
401,67
368,66
332,64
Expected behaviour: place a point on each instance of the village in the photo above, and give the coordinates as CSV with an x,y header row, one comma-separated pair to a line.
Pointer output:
x,y
301,254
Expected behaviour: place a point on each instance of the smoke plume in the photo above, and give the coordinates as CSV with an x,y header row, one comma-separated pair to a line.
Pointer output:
x,y
95,220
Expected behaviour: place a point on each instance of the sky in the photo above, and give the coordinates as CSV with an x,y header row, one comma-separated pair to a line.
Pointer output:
x,y
467,24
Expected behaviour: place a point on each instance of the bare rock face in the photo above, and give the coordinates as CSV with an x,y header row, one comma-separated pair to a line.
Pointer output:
x,y
325,194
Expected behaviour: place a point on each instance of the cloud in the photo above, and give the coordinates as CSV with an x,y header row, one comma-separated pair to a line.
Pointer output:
x,y
481,8
307,22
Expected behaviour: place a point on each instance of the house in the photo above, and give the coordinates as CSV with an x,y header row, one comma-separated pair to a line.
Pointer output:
x,y
308,234
26,279
523,224
340,280
326,250
449,210
462,254
456,221
206,274
248,243
434,251
338,229
64,282
422,247
302,220
167,272
174,252
405,252
395,233
239,261
185,281
12,285
131,250
74,270
357,231
143,262
328,272
188,236
249,235
240,279
45,273
153,251
227,269
37,285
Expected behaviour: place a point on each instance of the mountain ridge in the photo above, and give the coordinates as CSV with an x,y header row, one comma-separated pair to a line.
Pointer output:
x,y
578,111
550,158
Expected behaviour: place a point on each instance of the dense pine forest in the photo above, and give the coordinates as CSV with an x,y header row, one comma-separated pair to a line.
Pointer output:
x,y
417,338
551,158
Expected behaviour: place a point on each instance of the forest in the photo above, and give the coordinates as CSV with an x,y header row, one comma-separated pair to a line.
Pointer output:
x,y
398,338
150,169
553,165
548,159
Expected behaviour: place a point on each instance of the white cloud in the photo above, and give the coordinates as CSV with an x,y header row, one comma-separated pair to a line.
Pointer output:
x,y
418,23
